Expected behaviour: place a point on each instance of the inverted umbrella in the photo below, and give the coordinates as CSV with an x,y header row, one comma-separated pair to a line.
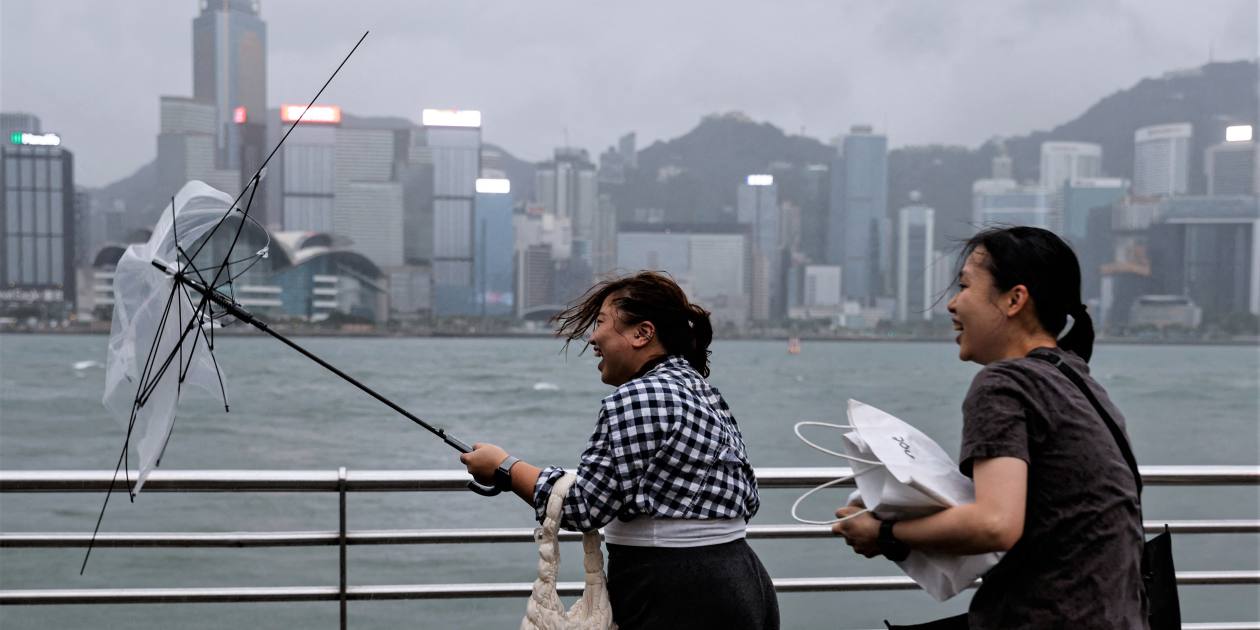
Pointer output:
x,y
168,301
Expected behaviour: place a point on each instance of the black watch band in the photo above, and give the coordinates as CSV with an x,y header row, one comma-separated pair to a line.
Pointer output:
x,y
503,474
889,546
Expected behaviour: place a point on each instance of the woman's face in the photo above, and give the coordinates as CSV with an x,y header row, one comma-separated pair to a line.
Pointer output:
x,y
611,341
983,327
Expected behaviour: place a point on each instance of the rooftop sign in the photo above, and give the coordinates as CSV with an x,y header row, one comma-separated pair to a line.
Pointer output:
x,y
494,186
451,118
35,139
315,114
1238,133
760,180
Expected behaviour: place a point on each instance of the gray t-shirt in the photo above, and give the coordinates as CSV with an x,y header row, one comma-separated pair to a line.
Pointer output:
x,y
1078,563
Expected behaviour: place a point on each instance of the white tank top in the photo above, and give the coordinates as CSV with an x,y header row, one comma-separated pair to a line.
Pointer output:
x,y
645,531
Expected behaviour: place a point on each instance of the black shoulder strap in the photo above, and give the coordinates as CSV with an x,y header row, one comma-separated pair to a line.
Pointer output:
x,y
1057,361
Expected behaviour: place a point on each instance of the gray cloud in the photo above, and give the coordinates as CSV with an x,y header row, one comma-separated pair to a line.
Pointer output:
x,y
927,71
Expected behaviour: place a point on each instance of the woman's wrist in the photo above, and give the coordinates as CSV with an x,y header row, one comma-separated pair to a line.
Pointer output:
x,y
889,545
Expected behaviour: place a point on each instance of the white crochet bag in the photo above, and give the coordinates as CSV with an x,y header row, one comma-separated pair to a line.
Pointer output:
x,y
545,611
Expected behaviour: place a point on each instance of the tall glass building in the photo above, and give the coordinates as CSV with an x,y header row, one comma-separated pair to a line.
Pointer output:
x,y
453,138
494,238
230,71
915,227
37,223
856,230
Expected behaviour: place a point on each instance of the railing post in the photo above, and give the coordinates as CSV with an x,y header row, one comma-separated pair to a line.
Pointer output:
x,y
341,496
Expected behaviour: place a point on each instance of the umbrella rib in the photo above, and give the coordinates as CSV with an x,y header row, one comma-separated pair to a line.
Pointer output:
x,y
131,423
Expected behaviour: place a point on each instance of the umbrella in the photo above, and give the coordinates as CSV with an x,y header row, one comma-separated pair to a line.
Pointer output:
x,y
901,473
169,299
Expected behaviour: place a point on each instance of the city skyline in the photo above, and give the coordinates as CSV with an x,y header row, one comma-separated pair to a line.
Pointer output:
x,y
911,57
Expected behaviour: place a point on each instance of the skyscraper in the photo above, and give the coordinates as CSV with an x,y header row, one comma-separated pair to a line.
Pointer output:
x,y
857,234
1231,166
566,187
453,139
185,151
307,166
367,201
495,240
1080,196
1161,160
1208,249
1002,203
37,223
1064,161
230,71
915,278
757,206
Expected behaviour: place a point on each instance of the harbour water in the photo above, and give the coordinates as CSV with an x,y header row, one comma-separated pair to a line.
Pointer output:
x,y
1187,405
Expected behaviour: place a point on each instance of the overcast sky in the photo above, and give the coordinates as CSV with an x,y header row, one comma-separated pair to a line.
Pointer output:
x,y
923,71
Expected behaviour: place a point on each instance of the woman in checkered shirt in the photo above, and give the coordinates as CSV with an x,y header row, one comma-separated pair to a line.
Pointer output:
x,y
666,473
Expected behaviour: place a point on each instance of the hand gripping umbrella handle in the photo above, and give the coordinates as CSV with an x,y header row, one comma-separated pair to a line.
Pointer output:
x,y
485,491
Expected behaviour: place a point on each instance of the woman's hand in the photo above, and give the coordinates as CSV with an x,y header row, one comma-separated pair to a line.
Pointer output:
x,y
483,461
860,532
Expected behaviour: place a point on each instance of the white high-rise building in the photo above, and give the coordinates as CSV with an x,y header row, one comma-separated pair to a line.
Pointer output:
x,y
453,138
371,215
1231,166
308,168
1004,203
1161,160
1064,161
186,149
367,204
567,186
915,280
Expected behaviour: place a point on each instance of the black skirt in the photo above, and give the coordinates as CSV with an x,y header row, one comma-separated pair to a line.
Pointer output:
x,y
715,586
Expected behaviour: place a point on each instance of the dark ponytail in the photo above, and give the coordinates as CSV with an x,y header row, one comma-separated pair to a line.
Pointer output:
x,y
1042,262
648,296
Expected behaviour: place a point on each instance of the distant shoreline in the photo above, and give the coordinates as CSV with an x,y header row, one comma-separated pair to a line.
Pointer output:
x,y
244,332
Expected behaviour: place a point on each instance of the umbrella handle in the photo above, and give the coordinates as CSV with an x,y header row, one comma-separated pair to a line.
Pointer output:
x,y
485,491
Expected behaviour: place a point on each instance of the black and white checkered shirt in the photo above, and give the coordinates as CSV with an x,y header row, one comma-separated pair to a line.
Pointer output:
x,y
665,446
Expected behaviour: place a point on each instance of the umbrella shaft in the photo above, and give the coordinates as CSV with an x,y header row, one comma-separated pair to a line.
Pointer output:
x,y
236,311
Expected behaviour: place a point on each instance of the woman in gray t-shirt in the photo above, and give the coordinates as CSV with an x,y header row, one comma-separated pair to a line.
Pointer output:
x,y
1053,489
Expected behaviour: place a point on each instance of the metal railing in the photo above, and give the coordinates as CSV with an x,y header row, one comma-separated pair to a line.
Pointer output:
x,y
343,482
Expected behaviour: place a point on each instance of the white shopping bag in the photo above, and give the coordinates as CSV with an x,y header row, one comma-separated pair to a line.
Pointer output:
x,y
902,474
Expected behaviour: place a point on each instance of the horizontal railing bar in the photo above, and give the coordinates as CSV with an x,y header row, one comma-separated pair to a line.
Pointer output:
x,y
460,536
468,591
452,480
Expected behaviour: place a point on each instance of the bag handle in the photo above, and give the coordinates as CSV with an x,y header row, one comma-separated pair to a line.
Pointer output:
x,y
871,464
1116,434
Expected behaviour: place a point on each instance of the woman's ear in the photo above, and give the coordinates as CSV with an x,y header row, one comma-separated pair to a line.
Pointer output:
x,y
1016,300
644,332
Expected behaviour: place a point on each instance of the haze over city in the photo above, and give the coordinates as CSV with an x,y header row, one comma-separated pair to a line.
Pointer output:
x,y
574,74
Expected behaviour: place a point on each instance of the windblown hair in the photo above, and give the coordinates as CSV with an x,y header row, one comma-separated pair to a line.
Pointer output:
x,y
647,296
1042,262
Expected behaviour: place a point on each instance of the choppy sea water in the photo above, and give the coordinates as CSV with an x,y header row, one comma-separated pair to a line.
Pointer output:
x,y
1184,405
